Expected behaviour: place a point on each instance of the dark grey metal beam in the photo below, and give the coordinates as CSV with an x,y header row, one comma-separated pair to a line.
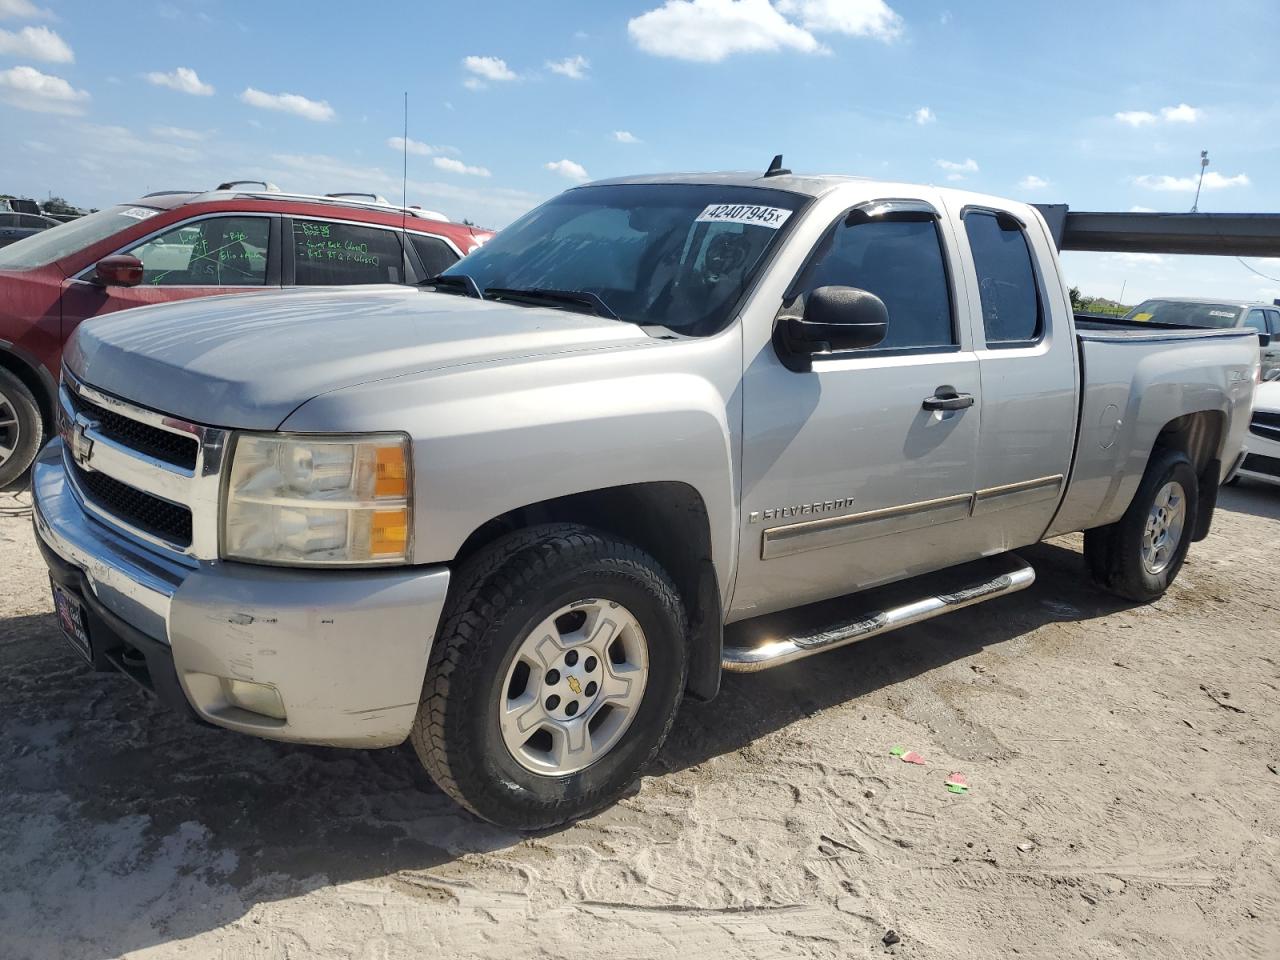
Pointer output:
x,y
1214,234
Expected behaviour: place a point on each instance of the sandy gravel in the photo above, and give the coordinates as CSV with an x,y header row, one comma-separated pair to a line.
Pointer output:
x,y
1121,801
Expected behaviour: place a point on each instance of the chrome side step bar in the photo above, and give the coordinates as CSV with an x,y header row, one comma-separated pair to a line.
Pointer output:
x,y
996,578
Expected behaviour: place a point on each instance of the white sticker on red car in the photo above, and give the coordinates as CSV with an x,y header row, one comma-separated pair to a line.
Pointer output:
x,y
138,213
745,213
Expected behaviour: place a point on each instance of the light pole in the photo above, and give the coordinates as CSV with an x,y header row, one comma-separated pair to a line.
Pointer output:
x,y
1204,162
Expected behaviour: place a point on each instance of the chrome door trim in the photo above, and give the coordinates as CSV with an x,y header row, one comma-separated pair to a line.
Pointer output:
x,y
793,538
1009,495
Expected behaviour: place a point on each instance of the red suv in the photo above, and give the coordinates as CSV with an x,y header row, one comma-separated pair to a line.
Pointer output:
x,y
171,246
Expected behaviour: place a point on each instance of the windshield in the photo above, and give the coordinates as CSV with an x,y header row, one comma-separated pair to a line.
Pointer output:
x,y
1181,313
672,255
66,238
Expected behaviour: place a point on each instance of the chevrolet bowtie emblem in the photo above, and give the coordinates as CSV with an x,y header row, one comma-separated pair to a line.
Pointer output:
x,y
79,441
575,686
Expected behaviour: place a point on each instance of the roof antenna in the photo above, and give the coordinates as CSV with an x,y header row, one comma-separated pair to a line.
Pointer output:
x,y
404,191
776,169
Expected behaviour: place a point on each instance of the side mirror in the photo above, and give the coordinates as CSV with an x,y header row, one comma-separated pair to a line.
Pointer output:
x,y
835,319
1264,339
119,270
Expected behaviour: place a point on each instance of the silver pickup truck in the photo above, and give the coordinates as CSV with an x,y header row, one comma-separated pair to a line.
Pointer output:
x,y
515,516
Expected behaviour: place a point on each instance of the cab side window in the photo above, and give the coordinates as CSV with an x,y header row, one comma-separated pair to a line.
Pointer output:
x,y
899,258
215,252
1011,310
327,253
1273,317
1258,320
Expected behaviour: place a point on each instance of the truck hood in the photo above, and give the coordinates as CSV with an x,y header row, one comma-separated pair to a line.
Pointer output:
x,y
248,361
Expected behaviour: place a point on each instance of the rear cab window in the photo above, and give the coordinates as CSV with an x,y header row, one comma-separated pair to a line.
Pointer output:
x,y
1186,313
1012,314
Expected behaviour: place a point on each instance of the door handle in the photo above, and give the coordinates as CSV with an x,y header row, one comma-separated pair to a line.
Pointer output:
x,y
946,398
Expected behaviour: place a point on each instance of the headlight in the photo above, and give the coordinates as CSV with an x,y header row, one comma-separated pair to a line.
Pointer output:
x,y
304,500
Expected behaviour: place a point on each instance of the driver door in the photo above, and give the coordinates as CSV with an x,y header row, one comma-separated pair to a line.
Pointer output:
x,y
196,258
851,475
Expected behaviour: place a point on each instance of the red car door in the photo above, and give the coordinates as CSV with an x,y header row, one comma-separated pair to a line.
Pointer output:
x,y
201,257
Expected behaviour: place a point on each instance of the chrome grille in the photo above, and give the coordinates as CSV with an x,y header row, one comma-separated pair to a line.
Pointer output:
x,y
150,476
164,445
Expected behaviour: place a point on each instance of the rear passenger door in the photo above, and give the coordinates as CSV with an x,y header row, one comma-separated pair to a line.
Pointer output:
x,y
328,253
1027,357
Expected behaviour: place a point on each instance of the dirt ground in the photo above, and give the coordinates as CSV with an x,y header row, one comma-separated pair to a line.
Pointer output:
x,y
1124,802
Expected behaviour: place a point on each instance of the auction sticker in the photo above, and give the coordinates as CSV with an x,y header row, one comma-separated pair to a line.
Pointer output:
x,y
138,213
745,213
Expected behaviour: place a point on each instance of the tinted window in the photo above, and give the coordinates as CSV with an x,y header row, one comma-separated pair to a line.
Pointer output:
x,y
66,238
1274,317
1006,278
436,255
673,255
327,254
1257,320
218,252
900,261
1185,313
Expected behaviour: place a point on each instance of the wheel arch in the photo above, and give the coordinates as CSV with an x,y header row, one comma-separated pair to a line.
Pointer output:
x,y
1200,436
669,521
34,375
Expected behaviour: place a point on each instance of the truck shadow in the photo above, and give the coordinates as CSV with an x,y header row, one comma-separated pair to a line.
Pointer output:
x,y
1253,497
113,800
751,706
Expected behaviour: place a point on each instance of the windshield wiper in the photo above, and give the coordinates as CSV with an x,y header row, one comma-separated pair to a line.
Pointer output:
x,y
574,298
454,283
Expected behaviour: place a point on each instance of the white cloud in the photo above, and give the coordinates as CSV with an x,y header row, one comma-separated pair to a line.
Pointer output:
x,y
1182,113
625,136
483,69
1032,182
181,133
23,10
1140,209
123,141
488,204
923,115
1136,118
416,147
289,103
36,43
568,169
184,80
575,67
457,166
1212,181
1138,259
29,89
957,170
707,31
856,18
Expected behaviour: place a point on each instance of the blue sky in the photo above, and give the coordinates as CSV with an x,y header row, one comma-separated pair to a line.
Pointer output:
x,y
1104,105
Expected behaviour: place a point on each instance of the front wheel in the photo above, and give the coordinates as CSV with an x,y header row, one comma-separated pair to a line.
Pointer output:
x,y
554,678
1139,555
21,428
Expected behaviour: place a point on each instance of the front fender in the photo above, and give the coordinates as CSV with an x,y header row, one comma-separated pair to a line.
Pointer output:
x,y
490,439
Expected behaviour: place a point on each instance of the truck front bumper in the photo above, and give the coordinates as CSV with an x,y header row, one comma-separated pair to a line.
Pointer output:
x,y
331,657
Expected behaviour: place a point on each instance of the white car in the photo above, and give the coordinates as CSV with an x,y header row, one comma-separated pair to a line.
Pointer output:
x,y
1262,445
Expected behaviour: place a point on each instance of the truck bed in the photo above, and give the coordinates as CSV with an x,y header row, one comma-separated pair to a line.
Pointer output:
x,y
1093,327
1136,378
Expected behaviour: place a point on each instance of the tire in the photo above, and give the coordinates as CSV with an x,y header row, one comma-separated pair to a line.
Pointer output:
x,y
500,604
21,428
1115,553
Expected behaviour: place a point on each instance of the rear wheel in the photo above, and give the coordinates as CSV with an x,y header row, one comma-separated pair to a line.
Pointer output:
x,y
21,428
1139,555
554,678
